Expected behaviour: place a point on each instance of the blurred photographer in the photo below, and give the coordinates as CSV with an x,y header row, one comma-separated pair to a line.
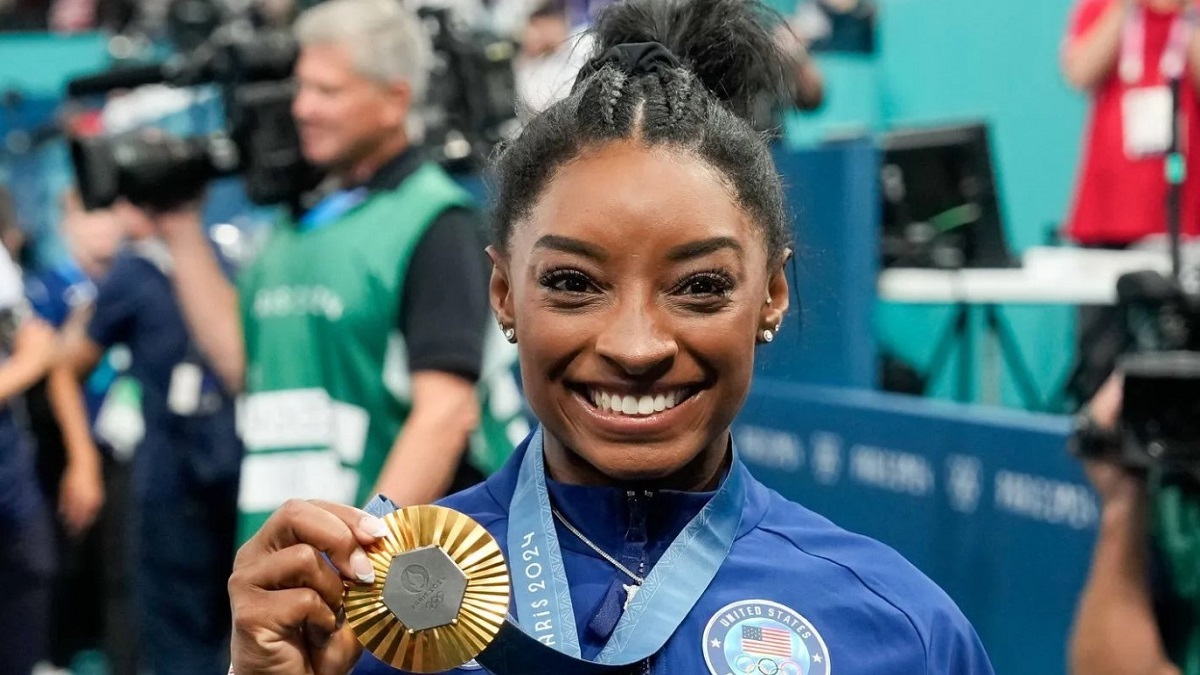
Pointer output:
x,y
1129,618
357,335
27,558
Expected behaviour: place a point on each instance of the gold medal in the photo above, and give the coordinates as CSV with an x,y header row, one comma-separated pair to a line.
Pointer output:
x,y
440,593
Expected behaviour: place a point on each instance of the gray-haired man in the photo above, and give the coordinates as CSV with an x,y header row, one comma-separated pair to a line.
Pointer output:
x,y
358,334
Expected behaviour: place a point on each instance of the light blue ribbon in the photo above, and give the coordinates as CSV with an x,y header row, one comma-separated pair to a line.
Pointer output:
x,y
542,597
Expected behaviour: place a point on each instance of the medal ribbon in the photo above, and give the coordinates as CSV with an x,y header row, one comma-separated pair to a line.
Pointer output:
x,y
542,597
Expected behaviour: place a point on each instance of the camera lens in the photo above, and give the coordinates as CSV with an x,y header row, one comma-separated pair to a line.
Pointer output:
x,y
152,169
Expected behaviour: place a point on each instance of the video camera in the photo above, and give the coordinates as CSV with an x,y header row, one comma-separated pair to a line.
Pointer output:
x,y
470,108
471,103
1160,413
253,71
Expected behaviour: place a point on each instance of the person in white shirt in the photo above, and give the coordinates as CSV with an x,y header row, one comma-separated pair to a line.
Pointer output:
x,y
551,55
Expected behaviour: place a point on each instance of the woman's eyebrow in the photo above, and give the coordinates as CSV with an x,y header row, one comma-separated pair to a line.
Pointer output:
x,y
703,247
571,245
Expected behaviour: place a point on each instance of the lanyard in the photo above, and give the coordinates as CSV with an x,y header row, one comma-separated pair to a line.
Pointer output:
x,y
542,597
333,206
1133,48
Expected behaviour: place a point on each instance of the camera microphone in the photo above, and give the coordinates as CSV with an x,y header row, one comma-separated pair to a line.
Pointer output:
x,y
122,78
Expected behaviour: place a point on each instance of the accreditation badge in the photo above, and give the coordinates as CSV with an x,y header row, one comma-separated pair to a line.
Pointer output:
x,y
1146,114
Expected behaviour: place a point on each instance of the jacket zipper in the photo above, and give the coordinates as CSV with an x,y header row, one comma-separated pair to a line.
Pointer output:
x,y
638,503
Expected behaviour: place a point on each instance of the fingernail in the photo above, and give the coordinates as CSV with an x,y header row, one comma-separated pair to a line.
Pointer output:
x,y
373,526
361,565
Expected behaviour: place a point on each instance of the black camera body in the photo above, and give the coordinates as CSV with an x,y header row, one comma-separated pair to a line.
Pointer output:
x,y
471,103
1160,411
253,71
470,108
1160,414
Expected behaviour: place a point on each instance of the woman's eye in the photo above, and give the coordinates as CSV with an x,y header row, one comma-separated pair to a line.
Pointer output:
x,y
707,284
567,281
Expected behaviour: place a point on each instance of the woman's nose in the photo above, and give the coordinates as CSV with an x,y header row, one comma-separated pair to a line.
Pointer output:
x,y
636,341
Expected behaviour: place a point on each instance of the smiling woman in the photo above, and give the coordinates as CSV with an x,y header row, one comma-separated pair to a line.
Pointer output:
x,y
638,263
636,277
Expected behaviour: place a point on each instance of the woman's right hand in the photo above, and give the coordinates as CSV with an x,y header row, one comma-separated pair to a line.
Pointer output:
x,y
286,598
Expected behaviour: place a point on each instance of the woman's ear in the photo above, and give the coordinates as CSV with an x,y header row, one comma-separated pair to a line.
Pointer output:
x,y
778,295
500,290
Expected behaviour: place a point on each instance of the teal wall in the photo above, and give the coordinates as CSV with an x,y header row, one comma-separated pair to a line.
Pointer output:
x,y
40,64
951,60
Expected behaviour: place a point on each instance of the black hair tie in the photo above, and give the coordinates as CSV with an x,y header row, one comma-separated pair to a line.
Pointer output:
x,y
634,58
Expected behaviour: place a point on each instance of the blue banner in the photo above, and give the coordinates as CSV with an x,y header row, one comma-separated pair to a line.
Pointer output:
x,y
986,501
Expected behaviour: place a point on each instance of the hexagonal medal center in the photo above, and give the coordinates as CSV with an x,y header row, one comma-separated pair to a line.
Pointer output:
x,y
424,588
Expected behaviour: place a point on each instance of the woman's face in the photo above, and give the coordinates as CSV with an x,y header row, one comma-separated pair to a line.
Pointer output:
x,y
637,288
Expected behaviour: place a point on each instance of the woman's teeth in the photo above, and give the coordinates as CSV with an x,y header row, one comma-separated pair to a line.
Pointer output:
x,y
636,405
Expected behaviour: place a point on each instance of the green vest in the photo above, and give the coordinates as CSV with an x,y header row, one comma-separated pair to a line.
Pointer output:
x,y
327,384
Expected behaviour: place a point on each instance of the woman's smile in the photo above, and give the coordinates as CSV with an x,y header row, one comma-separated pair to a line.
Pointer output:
x,y
645,412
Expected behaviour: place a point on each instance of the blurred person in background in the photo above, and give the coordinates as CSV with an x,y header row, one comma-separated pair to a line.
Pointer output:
x,y
836,25
185,467
551,55
91,612
553,49
1123,54
75,483
27,556
1137,612
72,480
358,334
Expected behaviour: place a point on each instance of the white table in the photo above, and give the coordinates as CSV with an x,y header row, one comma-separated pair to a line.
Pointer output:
x,y
1047,276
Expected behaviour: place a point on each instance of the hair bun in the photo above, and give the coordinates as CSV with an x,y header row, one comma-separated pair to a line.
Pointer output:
x,y
727,44
633,58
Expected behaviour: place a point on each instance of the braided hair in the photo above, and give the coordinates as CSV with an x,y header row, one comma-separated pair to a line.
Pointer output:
x,y
689,74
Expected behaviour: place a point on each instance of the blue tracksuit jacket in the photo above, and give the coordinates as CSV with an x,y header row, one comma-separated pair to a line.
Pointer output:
x,y
797,595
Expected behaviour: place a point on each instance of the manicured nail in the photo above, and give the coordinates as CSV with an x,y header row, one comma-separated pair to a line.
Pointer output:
x,y
361,565
373,526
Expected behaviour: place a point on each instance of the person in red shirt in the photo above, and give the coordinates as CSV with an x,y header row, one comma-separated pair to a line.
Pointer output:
x,y
1123,52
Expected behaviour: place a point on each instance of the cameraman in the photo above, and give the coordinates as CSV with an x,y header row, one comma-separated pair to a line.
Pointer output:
x,y
1125,622
357,335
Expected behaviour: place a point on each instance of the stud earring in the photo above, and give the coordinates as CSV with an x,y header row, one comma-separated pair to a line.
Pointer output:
x,y
510,334
768,335
768,300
